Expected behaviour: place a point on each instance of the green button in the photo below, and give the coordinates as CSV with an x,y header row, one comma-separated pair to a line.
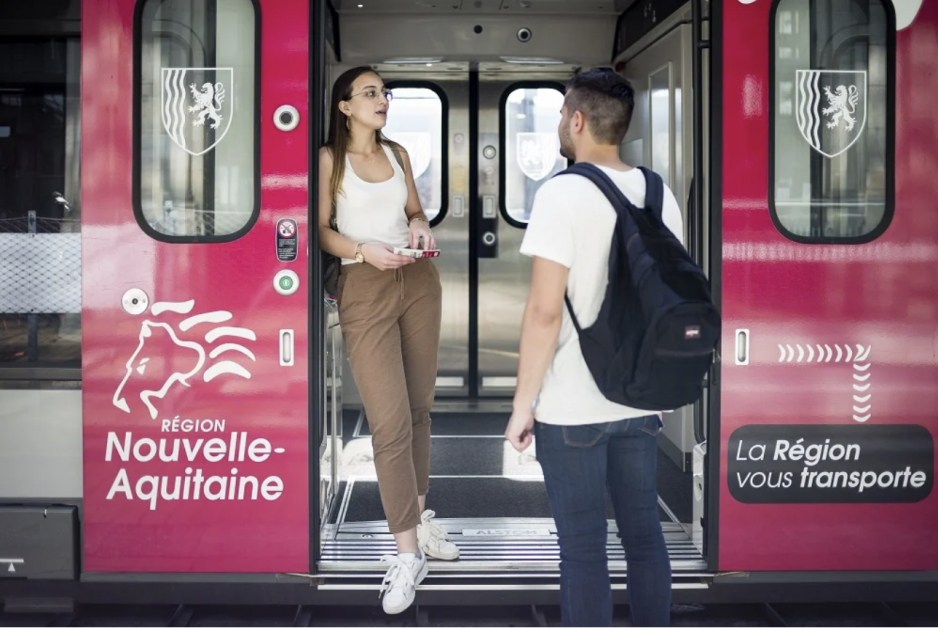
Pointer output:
x,y
286,283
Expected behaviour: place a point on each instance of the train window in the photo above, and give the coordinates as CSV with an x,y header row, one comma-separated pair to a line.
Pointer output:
x,y
196,167
531,116
831,114
416,123
40,207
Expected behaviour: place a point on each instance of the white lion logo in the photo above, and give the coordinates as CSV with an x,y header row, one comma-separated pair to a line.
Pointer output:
x,y
181,365
179,88
206,101
843,105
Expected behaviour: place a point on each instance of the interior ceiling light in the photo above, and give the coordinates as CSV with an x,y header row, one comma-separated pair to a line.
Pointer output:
x,y
412,61
531,61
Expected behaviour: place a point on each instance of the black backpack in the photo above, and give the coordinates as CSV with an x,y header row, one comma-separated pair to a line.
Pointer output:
x,y
656,332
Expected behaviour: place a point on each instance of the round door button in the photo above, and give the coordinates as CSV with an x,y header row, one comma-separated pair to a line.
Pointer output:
x,y
286,282
135,301
286,117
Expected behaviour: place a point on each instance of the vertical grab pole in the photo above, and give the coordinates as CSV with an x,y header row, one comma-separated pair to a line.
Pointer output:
x,y
32,319
697,188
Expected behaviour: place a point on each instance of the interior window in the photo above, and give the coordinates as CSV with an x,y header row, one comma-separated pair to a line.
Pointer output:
x,y
40,234
832,171
659,94
197,165
415,121
532,146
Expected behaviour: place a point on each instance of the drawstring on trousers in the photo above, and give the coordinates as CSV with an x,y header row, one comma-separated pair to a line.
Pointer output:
x,y
399,277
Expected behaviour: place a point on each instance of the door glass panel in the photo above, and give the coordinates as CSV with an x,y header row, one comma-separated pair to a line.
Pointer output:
x,y
198,128
659,92
532,146
415,121
832,159
40,246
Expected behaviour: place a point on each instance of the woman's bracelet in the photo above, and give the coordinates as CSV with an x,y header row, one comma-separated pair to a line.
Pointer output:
x,y
416,218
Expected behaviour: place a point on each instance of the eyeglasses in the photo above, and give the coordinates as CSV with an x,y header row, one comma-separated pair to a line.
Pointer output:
x,y
372,93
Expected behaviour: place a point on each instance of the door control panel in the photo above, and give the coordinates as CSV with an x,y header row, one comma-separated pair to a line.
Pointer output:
x,y
488,227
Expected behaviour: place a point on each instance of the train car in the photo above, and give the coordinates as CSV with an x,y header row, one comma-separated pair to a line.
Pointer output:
x,y
178,419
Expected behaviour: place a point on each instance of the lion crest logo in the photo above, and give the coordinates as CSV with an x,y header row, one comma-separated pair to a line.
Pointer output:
x,y
172,352
537,154
831,108
195,110
208,103
843,104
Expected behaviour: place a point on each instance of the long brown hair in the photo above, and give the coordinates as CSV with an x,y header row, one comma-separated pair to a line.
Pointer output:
x,y
339,132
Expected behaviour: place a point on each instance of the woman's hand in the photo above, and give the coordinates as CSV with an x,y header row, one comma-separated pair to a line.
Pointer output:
x,y
421,229
383,257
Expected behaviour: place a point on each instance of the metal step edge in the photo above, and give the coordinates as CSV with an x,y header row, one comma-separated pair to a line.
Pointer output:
x,y
473,567
700,584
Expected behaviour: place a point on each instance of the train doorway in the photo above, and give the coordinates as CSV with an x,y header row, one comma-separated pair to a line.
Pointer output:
x,y
481,130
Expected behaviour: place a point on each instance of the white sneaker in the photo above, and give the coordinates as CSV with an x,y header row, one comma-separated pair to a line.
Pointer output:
x,y
401,580
431,539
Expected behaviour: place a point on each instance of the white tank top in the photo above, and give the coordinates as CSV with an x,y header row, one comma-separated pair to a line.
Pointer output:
x,y
373,212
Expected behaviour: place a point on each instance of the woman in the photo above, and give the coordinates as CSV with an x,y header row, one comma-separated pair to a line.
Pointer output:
x,y
390,309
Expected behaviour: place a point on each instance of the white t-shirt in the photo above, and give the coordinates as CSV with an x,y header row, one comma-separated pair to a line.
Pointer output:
x,y
572,224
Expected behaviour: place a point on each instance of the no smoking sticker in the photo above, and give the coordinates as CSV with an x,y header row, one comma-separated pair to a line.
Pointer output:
x,y
286,240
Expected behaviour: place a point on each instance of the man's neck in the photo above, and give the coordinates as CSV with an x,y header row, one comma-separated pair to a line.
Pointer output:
x,y
607,156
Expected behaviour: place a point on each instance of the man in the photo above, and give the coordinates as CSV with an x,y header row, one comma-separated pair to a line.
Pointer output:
x,y
584,441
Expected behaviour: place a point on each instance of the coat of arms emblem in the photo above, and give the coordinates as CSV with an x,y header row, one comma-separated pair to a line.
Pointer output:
x,y
196,109
830,108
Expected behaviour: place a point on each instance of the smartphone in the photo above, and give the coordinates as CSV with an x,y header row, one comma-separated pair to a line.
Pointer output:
x,y
417,253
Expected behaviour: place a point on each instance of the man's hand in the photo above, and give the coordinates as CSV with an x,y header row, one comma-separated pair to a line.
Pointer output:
x,y
520,430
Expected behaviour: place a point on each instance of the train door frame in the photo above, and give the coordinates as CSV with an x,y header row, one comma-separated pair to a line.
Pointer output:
x,y
714,235
477,158
318,392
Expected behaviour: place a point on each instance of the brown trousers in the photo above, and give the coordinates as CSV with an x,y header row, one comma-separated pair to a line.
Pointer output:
x,y
391,324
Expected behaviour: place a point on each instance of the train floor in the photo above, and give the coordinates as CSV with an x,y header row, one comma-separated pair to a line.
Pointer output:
x,y
489,498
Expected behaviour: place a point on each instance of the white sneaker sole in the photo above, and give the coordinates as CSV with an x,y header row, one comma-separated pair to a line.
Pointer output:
x,y
420,576
440,555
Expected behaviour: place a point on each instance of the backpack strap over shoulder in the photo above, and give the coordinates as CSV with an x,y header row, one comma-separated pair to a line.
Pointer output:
x,y
654,192
613,194
654,199
654,187
599,178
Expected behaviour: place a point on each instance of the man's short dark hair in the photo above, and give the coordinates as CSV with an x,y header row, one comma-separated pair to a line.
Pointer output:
x,y
606,100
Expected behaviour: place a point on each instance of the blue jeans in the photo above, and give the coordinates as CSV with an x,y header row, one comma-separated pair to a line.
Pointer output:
x,y
578,463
